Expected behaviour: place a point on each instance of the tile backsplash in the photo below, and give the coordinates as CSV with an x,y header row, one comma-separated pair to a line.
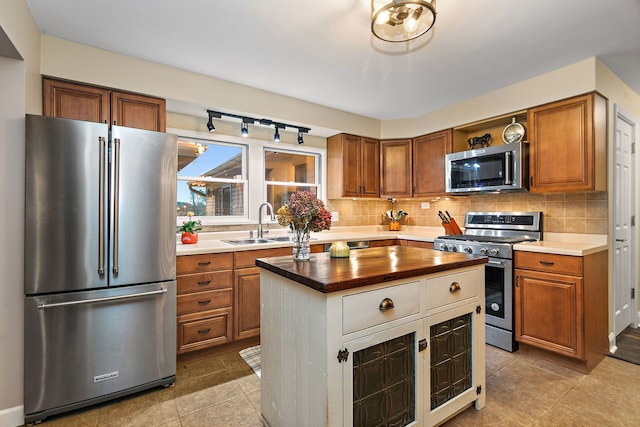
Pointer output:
x,y
576,212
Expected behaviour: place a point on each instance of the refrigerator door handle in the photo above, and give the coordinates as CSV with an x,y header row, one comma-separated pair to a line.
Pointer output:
x,y
101,176
94,300
116,201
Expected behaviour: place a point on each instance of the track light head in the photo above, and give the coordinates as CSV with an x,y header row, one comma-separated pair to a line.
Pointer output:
x,y
210,125
244,129
276,135
300,140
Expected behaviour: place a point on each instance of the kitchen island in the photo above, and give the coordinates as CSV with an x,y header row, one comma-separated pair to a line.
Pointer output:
x,y
391,335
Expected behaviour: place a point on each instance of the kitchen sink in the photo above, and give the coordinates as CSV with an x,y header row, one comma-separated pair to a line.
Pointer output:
x,y
280,239
247,241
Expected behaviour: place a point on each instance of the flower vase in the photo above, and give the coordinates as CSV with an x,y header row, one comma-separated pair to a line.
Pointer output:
x,y
189,238
394,225
301,250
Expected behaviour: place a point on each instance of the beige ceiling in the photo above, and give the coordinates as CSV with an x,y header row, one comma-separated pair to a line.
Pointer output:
x,y
322,51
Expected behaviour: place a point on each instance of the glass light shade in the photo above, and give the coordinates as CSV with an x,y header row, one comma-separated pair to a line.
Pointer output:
x,y
401,20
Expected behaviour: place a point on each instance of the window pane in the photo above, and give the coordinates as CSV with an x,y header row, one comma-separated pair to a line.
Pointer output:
x,y
207,159
210,198
279,195
289,167
202,166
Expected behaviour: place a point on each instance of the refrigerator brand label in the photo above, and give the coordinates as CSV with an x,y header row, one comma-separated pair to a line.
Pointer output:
x,y
106,377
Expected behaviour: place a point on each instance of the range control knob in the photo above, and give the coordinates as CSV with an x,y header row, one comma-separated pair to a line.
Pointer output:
x,y
468,249
494,252
452,248
443,247
484,251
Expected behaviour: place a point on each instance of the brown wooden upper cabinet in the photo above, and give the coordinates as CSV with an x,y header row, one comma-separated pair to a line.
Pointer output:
x,y
78,101
353,164
395,168
428,162
568,145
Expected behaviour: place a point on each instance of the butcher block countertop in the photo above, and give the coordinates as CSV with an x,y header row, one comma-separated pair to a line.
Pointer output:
x,y
366,266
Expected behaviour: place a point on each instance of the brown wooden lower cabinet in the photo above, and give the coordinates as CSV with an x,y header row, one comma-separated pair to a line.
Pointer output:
x,y
247,302
204,329
561,306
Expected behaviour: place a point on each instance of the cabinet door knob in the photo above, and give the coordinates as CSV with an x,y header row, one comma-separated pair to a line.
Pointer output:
x,y
455,287
386,304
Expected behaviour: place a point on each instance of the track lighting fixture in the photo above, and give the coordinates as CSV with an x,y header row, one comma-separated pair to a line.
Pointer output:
x,y
245,121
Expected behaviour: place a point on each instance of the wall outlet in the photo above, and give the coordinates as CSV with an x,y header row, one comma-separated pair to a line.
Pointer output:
x,y
425,205
335,217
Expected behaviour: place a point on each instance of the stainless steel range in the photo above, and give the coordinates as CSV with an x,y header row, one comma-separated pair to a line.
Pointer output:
x,y
493,234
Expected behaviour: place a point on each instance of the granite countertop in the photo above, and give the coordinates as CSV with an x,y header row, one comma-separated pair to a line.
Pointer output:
x,y
566,244
214,242
553,243
366,266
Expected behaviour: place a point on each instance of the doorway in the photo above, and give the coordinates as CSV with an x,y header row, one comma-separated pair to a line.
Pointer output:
x,y
625,306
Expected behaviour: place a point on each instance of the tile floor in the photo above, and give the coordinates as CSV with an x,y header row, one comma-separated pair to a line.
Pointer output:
x,y
521,391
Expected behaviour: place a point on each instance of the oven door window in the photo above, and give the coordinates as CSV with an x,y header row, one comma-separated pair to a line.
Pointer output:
x,y
494,291
484,171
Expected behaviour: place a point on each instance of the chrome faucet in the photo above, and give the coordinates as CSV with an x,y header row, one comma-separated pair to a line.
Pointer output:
x,y
269,210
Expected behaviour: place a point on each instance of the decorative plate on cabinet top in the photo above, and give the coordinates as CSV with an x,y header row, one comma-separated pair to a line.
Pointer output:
x,y
513,132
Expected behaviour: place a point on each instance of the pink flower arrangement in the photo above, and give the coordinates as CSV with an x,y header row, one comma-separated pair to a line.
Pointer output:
x,y
304,212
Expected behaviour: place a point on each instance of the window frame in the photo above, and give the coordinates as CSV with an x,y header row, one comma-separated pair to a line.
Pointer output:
x,y
255,183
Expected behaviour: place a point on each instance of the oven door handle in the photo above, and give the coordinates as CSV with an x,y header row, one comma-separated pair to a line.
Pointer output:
x,y
495,262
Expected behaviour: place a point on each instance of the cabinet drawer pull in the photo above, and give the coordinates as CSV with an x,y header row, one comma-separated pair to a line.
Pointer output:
x,y
205,283
547,262
386,304
455,287
204,263
204,331
204,302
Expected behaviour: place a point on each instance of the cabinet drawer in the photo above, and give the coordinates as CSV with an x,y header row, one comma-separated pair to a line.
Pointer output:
x,y
187,264
205,281
363,310
200,301
204,329
451,288
561,264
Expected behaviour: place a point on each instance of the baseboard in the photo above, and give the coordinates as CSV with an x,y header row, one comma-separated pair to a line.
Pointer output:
x,y
12,417
612,343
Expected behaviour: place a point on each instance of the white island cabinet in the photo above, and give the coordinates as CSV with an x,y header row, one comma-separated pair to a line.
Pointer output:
x,y
389,336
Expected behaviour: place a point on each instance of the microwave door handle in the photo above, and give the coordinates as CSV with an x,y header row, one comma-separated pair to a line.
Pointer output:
x,y
507,168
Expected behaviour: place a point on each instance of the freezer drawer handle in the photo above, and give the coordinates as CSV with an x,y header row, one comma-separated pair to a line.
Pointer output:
x,y
90,301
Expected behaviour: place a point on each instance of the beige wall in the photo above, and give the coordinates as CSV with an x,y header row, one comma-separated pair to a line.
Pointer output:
x,y
19,93
64,59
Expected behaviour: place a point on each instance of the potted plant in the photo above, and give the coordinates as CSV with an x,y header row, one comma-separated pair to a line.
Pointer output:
x,y
190,230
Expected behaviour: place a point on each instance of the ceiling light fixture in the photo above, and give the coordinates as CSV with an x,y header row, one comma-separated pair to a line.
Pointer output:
x,y
200,149
402,20
245,121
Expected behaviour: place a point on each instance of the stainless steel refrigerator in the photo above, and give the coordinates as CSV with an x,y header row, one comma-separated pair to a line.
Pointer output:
x,y
100,290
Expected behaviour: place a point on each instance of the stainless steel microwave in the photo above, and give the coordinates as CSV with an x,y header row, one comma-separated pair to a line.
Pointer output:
x,y
500,168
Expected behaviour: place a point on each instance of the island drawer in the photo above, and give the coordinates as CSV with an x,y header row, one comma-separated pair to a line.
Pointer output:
x,y
200,301
205,281
366,309
204,329
551,263
450,288
187,264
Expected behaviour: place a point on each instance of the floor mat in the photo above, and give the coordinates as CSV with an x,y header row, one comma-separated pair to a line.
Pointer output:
x,y
251,355
628,344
